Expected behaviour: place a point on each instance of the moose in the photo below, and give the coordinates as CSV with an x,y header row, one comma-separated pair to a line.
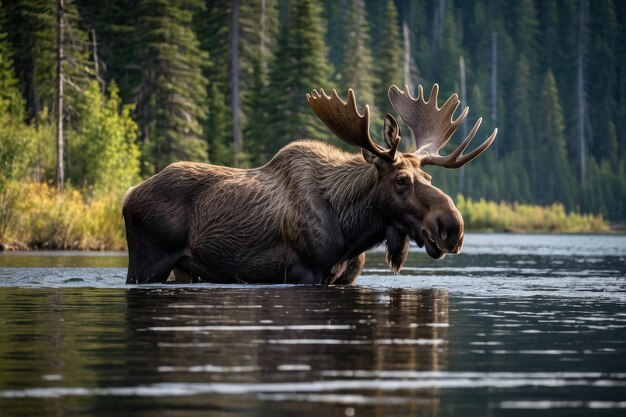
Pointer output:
x,y
311,212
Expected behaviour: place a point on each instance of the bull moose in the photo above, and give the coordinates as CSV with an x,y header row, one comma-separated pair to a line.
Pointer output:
x,y
310,213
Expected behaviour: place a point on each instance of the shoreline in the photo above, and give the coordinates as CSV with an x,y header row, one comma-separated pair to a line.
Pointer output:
x,y
619,229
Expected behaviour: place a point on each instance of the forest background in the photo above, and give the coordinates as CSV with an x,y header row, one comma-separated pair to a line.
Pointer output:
x,y
150,82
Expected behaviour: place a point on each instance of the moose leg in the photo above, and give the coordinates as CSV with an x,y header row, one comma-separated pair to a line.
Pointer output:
x,y
147,263
352,270
300,274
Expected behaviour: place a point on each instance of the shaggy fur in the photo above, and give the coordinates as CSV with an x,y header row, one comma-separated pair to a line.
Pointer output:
x,y
307,216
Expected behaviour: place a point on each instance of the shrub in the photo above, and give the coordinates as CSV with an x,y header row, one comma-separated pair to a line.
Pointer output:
x,y
44,218
489,215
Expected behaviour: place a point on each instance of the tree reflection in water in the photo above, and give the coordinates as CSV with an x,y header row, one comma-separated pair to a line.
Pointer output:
x,y
287,348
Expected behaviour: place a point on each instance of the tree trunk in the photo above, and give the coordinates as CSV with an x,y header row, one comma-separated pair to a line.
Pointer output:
x,y
60,32
263,36
96,66
406,34
494,83
463,125
439,22
234,79
408,79
580,90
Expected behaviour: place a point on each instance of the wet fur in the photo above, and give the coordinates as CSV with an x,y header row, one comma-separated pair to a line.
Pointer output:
x,y
307,217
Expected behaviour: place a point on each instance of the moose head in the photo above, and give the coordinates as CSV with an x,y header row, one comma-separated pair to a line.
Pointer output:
x,y
414,207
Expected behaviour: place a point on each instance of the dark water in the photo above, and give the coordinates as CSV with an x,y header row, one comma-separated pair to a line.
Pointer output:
x,y
517,325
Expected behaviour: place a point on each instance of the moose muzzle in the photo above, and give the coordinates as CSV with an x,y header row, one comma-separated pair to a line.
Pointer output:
x,y
442,231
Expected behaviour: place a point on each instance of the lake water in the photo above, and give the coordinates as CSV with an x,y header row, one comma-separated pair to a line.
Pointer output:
x,y
516,325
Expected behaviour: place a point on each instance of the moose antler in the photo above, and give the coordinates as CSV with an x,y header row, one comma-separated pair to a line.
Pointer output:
x,y
346,123
433,126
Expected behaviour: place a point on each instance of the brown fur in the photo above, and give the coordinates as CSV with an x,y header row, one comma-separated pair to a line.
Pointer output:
x,y
307,216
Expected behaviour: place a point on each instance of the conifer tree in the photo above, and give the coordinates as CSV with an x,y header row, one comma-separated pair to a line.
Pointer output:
x,y
388,62
602,74
211,25
552,169
10,98
563,62
524,29
15,145
171,97
111,24
299,67
520,133
35,53
335,14
258,23
447,57
356,69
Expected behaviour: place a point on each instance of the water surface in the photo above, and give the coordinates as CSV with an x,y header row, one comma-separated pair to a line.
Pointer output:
x,y
516,325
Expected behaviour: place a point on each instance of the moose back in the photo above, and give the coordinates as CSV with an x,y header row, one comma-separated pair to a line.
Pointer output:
x,y
312,211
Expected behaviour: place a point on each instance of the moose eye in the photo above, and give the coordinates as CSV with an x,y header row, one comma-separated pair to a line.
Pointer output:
x,y
402,181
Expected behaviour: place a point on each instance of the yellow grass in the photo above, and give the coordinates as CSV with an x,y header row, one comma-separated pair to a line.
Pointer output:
x,y
35,215
514,217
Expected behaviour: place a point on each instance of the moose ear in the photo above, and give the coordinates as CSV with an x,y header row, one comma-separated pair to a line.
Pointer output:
x,y
391,131
369,157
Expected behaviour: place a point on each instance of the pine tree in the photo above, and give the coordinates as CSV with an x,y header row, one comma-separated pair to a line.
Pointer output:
x,y
35,53
16,147
564,57
552,170
111,24
258,135
524,29
258,23
171,98
212,27
520,132
10,99
356,70
388,64
335,13
602,74
447,56
299,67
621,65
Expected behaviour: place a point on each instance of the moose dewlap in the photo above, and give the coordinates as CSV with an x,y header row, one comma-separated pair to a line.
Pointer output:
x,y
310,213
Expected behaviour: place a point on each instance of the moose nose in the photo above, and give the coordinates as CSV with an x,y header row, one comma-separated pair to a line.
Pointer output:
x,y
450,231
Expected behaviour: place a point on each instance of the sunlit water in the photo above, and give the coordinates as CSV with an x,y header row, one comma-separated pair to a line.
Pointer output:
x,y
516,325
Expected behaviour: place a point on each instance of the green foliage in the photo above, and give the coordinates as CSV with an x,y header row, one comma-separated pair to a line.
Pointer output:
x,y
31,28
356,69
10,98
171,95
299,67
553,172
103,153
603,82
17,146
388,54
484,215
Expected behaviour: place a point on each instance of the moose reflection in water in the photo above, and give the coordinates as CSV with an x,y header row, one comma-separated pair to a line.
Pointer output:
x,y
283,344
309,214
